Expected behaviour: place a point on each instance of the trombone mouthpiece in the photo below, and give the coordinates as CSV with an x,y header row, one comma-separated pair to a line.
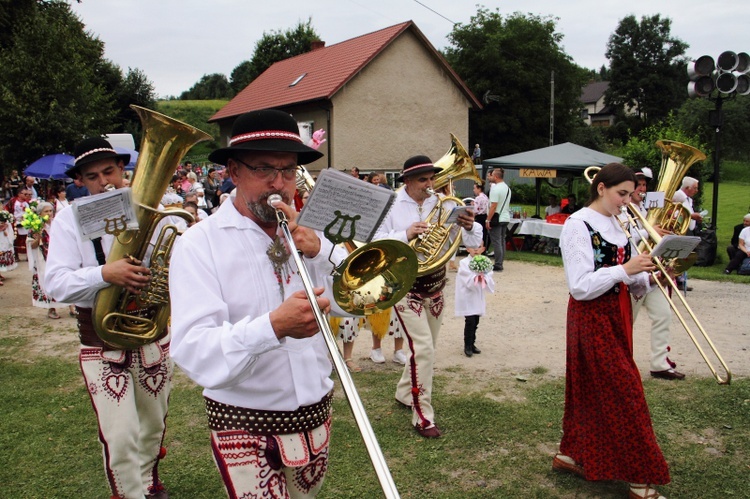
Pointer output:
x,y
273,198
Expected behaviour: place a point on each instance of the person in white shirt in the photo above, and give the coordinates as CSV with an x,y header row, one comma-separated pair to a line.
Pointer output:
x,y
743,248
420,312
684,196
607,430
129,389
553,208
252,340
499,205
654,302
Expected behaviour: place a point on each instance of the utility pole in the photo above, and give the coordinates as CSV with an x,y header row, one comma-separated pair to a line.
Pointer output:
x,y
552,110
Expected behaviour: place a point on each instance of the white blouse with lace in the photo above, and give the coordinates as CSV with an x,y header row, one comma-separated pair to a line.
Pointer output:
x,y
578,257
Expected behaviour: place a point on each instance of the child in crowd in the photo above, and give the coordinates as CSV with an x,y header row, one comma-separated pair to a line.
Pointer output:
x,y
473,277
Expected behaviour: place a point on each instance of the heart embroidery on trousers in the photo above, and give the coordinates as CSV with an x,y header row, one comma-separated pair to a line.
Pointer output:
x,y
154,383
116,385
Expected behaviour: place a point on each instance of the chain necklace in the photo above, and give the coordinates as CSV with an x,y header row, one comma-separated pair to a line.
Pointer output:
x,y
279,257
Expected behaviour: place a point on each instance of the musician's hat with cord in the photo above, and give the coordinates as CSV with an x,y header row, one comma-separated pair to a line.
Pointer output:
x,y
416,165
268,130
93,149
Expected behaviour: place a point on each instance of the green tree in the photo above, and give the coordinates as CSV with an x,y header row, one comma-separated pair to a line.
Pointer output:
x,y
49,93
272,48
647,69
510,60
209,87
693,117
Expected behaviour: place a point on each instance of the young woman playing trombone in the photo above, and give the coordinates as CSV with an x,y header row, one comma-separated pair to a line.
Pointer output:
x,y
607,432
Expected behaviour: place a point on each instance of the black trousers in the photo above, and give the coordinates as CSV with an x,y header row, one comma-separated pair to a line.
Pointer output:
x,y
471,322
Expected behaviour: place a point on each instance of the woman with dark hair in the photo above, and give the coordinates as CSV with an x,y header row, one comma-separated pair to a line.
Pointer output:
x,y
607,432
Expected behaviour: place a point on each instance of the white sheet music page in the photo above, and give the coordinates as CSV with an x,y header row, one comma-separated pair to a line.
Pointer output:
x,y
674,246
106,212
350,207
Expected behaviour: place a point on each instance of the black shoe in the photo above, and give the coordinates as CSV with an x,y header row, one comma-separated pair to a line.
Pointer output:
x,y
475,350
468,351
668,374
497,269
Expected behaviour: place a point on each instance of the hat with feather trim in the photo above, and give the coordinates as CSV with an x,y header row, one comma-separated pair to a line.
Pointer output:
x,y
267,130
93,149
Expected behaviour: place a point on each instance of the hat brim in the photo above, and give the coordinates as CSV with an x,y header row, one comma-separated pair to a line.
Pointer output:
x,y
419,171
76,169
305,154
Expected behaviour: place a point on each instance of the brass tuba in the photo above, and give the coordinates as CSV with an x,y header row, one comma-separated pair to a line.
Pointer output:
x,y
441,241
121,319
677,158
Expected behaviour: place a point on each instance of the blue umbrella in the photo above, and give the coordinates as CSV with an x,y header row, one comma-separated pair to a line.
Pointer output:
x,y
133,156
52,166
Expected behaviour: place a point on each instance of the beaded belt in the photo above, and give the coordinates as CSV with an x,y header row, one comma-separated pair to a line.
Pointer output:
x,y
223,417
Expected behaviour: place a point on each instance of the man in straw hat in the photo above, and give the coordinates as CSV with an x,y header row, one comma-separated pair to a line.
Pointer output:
x,y
129,389
654,301
420,311
252,342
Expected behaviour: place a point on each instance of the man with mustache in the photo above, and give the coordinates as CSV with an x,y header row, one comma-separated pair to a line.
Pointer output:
x,y
252,341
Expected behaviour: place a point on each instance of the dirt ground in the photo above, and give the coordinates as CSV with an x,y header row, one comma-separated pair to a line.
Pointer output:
x,y
524,327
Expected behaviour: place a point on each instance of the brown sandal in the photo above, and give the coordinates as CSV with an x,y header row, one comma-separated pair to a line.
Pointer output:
x,y
648,492
352,366
52,315
559,464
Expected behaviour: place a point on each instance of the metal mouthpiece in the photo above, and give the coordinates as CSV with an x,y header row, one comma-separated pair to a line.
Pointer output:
x,y
430,191
273,198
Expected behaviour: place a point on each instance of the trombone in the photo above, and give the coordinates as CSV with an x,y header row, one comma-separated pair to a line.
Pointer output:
x,y
670,283
360,416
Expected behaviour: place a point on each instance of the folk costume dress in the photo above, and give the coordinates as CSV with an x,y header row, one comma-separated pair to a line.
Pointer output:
x,y
7,255
37,263
606,424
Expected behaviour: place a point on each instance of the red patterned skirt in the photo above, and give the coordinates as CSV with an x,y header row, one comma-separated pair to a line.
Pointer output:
x,y
606,425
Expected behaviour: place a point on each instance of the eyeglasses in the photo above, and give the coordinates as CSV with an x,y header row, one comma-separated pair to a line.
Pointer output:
x,y
268,173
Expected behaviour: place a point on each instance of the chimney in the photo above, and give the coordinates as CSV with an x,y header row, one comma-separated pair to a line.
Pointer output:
x,y
316,45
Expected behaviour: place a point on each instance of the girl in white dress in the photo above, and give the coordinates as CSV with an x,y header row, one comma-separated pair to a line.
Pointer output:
x,y
7,236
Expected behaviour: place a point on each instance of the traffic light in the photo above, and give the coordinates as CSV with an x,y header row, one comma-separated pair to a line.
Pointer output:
x,y
699,71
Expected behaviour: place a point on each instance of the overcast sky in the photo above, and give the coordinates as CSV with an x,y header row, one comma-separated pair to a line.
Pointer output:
x,y
175,42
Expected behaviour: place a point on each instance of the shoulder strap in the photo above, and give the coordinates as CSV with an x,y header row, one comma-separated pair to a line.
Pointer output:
x,y
99,251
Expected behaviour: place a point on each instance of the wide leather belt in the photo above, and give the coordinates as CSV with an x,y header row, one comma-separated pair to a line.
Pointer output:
x,y
428,285
222,417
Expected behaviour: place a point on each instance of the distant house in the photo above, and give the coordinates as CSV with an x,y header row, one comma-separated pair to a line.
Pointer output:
x,y
380,97
595,112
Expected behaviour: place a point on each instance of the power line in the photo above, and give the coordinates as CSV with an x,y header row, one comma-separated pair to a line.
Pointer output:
x,y
435,12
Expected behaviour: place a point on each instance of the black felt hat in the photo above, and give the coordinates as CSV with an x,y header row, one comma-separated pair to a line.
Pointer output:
x,y
416,165
93,149
268,130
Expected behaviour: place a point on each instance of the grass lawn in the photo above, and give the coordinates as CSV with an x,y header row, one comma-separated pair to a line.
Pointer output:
x,y
500,435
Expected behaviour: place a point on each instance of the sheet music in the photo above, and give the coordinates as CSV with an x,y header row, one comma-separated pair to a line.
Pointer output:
x,y
654,200
353,208
112,210
674,246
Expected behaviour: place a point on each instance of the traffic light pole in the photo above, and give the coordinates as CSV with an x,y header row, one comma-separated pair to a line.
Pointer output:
x,y
716,120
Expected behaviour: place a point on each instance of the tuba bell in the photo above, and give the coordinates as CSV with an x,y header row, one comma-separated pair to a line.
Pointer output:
x,y
441,240
677,158
121,319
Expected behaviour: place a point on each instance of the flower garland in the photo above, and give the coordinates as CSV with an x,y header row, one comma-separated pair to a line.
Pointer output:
x,y
480,263
33,222
6,216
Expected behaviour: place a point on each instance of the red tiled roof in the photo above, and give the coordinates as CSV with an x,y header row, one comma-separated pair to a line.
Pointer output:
x,y
325,71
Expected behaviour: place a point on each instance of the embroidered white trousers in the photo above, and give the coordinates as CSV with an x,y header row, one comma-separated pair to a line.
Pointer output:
x,y
281,466
420,323
660,314
130,401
